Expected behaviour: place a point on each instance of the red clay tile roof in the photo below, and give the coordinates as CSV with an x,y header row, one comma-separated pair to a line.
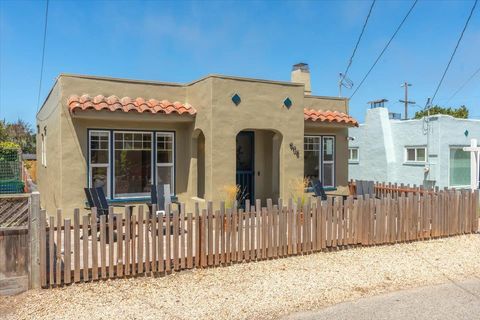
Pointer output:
x,y
329,116
127,104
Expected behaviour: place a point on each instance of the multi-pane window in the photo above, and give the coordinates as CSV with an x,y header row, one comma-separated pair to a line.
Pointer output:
x,y
353,154
459,167
132,164
127,163
328,159
319,159
99,169
311,157
165,158
415,154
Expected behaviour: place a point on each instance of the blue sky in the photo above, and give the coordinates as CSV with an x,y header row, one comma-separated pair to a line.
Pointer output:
x,y
182,41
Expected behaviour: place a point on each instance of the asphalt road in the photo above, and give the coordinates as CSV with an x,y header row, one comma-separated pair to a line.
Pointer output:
x,y
453,300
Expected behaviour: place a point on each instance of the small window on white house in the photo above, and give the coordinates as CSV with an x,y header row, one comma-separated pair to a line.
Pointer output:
x,y
459,172
353,154
415,154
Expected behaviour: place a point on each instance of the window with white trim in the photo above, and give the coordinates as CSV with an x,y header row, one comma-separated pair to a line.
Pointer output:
x,y
353,154
99,157
459,167
415,154
319,159
132,170
127,163
165,159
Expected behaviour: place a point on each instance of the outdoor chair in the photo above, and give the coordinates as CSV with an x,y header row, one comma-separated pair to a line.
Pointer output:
x,y
96,198
162,198
364,188
320,191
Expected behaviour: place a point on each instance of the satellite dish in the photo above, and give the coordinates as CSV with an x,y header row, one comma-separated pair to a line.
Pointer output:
x,y
344,82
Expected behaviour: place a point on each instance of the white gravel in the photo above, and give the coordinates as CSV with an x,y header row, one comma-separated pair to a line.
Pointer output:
x,y
262,290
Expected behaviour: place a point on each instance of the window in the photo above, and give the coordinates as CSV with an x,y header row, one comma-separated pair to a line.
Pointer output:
x,y
165,158
132,164
319,159
43,151
459,167
127,163
353,154
99,169
415,154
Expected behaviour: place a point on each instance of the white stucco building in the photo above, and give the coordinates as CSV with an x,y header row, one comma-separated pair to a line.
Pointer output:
x,y
426,151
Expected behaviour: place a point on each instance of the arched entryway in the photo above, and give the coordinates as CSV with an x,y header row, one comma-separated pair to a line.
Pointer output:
x,y
258,164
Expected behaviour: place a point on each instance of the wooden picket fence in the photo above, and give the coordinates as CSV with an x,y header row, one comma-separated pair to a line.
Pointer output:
x,y
140,243
382,189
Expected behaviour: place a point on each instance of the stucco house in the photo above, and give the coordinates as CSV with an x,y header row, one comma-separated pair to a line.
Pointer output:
x,y
199,137
427,151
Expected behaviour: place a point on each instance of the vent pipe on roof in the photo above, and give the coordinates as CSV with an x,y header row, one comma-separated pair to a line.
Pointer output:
x,y
301,74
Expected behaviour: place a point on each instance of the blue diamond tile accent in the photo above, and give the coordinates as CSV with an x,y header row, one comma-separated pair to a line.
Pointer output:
x,y
236,99
287,103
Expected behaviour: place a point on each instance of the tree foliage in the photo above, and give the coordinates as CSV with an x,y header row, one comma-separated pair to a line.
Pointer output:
x,y
19,133
461,112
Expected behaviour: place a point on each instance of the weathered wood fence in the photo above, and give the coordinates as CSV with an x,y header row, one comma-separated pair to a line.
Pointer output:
x,y
382,189
139,243
14,243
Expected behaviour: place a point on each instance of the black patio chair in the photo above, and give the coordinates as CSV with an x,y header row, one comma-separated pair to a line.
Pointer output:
x,y
320,191
96,198
88,195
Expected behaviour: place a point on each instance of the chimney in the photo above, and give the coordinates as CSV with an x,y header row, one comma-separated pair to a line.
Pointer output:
x,y
301,74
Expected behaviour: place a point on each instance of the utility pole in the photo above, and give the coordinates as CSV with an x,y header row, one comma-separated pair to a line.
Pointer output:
x,y
406,102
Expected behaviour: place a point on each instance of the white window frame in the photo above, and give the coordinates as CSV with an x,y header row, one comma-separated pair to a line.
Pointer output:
x,y
152,169
99,165
166,164
416,148
332,162
321,140
449,167
350,159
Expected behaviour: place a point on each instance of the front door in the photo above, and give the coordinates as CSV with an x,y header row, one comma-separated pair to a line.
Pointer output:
x,y
245,166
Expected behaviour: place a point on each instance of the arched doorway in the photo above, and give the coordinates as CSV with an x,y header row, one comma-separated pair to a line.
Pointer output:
x,y
258,164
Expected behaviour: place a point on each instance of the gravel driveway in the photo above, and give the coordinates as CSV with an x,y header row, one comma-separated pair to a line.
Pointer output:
x,y
262,290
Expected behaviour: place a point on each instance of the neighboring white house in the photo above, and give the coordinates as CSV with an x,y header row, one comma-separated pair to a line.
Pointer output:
x,y
426,151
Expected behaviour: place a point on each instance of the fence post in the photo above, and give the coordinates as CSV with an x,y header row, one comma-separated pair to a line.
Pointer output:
x,y
34,240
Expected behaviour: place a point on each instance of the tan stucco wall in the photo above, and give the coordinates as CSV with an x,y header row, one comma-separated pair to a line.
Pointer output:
x,y
49,178
261,110
326,103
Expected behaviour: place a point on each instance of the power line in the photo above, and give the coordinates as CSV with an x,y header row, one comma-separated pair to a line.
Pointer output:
x,y
43,55
463,85
358,40
454,51
385,48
